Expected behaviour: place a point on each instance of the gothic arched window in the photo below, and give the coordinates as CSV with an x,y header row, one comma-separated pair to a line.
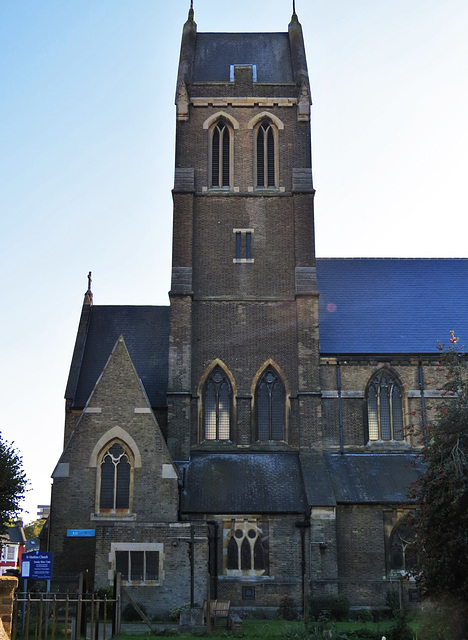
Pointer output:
x,y
220,165
384,407
270,396
115,471
402,554
217,402
246,549
266,155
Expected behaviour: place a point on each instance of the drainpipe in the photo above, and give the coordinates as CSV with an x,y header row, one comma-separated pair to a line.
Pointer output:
x,y
340,405
423,399
215,525
302,525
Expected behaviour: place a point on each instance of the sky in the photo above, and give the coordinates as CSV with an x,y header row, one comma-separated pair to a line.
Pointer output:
x,y
87,122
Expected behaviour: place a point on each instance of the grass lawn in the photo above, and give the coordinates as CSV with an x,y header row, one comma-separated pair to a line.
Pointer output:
x,y
266,629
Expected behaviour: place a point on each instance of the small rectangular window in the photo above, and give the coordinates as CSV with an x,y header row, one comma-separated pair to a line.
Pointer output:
x,y
248,245
238,245
243,245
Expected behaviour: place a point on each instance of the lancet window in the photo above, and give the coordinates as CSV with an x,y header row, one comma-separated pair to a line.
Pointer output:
x,y
270,403
384,407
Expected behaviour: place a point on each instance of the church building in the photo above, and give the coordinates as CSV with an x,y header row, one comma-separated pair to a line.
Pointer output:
x,y
248,440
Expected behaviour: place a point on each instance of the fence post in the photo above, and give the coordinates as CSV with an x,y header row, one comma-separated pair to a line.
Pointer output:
x,y
8,585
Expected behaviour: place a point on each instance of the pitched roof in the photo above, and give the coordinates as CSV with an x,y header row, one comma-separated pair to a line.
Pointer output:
x,y
388,305
243,483
372,477
216,52
146,334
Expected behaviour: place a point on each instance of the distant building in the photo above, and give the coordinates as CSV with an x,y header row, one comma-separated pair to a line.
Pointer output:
x,y
13,545
258,422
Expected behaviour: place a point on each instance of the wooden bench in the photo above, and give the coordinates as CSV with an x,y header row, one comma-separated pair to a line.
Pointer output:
x,y
219,610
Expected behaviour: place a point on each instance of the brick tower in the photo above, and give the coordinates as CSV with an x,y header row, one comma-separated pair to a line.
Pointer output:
x,y
243,350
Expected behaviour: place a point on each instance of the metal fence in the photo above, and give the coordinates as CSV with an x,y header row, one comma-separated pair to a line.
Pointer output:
x,y
42,616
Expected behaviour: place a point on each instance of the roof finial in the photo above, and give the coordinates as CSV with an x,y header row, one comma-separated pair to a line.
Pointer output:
x,y
88,296
294,7
89,282
190,13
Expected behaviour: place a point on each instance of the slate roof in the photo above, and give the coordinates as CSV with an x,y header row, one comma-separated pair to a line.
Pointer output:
x,y
372,477
146,334
388,305
215,52
243,483
317,480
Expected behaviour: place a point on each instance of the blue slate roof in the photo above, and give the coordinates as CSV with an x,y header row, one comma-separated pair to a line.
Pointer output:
x,y
243,483
216,52
389,305
146,334
372,477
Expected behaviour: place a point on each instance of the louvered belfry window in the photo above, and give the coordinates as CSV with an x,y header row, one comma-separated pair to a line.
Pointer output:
x,y
270,401
220,156
265,155
217,406
115,480
384,408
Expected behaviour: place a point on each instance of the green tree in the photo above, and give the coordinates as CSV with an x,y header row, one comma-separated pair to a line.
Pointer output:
x,y
440,519
33,529
13,482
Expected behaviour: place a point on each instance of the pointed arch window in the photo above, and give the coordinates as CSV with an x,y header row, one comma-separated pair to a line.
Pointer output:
x,y
217,403
115,475
266,155
220,155
270,402
384,407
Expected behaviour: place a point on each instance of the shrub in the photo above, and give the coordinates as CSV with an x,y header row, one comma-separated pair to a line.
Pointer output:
x,y
364,615
392,600
336,606
287,608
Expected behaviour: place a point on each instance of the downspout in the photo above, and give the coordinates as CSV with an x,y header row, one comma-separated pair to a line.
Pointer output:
x,y
215,525
340,405
302,525
423,398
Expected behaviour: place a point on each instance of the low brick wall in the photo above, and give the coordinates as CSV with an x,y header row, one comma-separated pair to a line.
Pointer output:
x,y
8,585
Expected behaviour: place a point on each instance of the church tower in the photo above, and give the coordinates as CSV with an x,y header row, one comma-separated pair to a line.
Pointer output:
x,y
243,348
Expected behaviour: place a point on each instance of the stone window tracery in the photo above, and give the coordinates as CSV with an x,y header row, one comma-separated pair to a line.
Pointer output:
x,y
270,403
115,476
384,407
266,151
246,548
217,405
220,155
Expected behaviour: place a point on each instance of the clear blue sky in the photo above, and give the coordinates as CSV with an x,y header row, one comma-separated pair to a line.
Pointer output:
x,y
86,161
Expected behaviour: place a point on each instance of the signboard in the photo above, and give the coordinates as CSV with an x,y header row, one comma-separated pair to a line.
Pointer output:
x,y
36,565
80,533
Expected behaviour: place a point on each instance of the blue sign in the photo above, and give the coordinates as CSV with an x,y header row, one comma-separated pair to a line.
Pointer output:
x,y
36,565
80,533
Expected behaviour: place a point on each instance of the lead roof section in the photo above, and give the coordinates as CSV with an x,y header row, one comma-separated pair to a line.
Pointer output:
x,y
145,330
391,306
216,52
373,477
243,483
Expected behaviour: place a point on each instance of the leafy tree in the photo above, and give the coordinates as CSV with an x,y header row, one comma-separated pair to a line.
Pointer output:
x,y
440,520
33,529
13,482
